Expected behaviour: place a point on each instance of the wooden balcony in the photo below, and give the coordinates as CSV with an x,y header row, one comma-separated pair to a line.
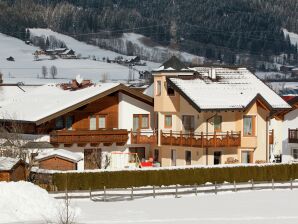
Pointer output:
x,y
94,137
293,135
143,137
271,137
201,140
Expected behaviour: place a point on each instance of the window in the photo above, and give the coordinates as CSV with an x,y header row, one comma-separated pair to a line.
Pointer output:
x,y
158,88
156,155
168,121
295,153
188,122
102,121
69,122
217,123
246,157
249,125
188,157
59,123
92,122
140,121
170,90
217,158
173,157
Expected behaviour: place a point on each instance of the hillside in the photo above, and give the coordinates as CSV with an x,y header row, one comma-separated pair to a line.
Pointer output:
x,y
219,30
26,69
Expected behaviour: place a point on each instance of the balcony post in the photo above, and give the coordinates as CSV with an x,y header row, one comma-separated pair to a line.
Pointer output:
x,y
180,137
138,136
228,138
214,138
191,138
171,136
202,138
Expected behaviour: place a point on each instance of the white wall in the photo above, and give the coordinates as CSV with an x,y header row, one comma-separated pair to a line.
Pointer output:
x,y
290,121
277,126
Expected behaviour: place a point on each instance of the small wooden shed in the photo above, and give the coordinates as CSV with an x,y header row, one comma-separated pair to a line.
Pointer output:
x,y
59,159
12,169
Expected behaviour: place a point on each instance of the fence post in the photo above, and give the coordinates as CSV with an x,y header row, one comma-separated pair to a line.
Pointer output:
x,y
90,194
196,189
252,184
235,187
176,193
272,184
131,196
104,193
215,188
153,191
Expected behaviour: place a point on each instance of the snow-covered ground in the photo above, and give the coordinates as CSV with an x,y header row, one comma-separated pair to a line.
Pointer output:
x,y
25,203
27,70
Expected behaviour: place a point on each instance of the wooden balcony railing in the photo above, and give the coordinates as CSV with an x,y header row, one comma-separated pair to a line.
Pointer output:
x,y
271,137
94,137
293,135
143,137
200,140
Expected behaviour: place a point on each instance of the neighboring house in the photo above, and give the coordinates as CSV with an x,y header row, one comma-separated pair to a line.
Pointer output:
x,y
59,159
286,123
95,120
12,169
212,116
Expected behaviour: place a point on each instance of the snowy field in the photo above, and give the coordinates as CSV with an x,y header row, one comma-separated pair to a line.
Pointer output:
x,y
25,203
27,70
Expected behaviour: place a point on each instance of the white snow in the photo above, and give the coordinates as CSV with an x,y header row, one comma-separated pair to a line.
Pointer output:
x,y
24,202
232,89
76,157
7,163
293,36
255,207
49,99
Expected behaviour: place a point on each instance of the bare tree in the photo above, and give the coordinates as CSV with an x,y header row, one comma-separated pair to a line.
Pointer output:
x,y
53,71
44,71
66,214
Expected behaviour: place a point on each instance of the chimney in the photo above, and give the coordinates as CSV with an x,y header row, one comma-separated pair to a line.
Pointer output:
x,y
212,73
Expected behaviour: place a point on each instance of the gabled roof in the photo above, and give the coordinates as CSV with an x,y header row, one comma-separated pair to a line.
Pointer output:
x,y
172,65
7,163
61,153
231,89
50,101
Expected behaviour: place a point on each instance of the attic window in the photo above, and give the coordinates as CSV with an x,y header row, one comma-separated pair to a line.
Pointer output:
x,y
170,90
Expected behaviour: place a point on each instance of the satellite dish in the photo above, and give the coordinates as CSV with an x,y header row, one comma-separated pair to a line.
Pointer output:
x,y
79,79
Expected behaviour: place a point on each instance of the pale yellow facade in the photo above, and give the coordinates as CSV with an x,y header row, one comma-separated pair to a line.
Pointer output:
x,y
232,121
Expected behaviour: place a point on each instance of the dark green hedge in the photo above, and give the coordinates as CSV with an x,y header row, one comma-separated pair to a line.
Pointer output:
x,y
137,178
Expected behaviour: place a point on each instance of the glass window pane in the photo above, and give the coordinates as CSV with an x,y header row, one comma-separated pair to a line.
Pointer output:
x,y
188,122
102,122
69,122
145,121
247,123
59,123
158,88
217,123
245,157
135,122
168,121
92,122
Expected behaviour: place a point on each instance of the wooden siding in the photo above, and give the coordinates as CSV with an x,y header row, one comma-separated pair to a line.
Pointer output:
x,y
57,163
16,174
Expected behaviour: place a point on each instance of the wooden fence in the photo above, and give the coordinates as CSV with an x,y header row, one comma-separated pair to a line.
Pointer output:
x,y
176,191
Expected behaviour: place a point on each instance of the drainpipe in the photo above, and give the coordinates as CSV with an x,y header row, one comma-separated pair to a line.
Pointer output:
x,y
267,139
207,121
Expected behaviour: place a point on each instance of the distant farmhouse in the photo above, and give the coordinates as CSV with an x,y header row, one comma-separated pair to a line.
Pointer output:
x,y
60,52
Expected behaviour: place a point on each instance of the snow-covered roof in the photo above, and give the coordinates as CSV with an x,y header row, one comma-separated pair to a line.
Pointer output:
x,y
47,100
231,89
149,91
68,155
7,163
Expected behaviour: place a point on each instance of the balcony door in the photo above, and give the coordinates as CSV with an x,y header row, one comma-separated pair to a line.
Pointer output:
x,y
173,157
217,158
